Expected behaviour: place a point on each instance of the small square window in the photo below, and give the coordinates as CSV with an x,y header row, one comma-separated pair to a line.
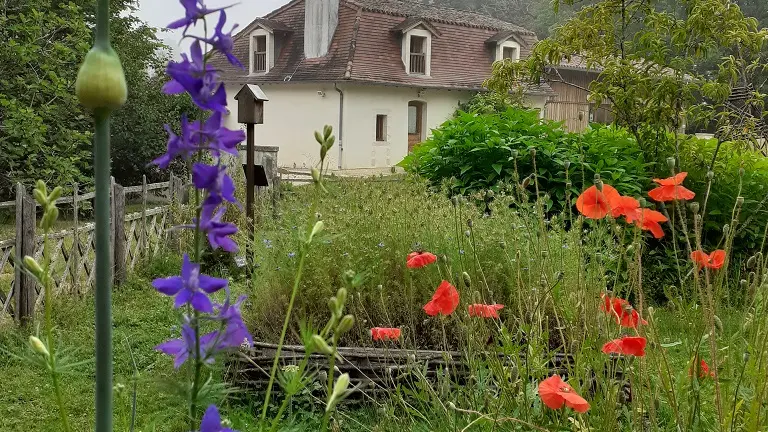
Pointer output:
x,y
260,54
381,128
509,53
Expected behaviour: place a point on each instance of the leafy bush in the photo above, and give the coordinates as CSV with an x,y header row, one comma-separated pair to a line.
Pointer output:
x,y
475,151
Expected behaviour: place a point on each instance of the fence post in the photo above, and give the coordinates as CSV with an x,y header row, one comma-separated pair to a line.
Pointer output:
x,y
143,247
24,284
118,225
76,239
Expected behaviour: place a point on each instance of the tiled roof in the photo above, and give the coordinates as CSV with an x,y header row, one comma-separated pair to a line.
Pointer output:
x,y
364,48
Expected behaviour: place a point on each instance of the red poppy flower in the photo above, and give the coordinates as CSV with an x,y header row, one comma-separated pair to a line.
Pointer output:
x,y
628,345
647,220
623,206
671,189
485,311
713,261
445,300
704,370
595,204
555,392
622,311
381,334
420,259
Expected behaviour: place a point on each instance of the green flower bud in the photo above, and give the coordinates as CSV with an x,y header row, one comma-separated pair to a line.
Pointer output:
x,y
55,194
317,229
101,80
33,267
327,131
341,295
40,197
467,279
316,175
333,304
671,163
319,138
339,391
49,218
345,324
40,185
38,346
320,345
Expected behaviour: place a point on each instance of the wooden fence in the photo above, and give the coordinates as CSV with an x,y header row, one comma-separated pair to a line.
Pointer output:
x,y
141,235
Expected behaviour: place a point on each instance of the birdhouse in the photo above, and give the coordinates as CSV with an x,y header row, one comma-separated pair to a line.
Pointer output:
x,y
250,104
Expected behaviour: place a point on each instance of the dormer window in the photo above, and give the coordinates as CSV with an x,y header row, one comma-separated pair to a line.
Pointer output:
x,y
508,50
262,51
417,52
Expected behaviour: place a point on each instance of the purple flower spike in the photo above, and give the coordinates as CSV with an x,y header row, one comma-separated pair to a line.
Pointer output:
x,y
215,180
218,232
191,287
220,138
223,42
212,421
236,331
178,144
194,10
182,348
197,79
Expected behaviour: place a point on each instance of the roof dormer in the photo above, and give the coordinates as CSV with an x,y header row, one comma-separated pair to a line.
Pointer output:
x,y
505,45
264,44
416,35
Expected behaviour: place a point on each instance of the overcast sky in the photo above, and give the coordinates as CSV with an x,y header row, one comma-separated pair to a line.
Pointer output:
x,y
158,13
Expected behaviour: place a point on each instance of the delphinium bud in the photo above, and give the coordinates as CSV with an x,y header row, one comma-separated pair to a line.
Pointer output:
x,y
100,81
38,346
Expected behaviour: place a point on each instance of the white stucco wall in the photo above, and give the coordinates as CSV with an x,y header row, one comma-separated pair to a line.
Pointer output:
x,y
295,110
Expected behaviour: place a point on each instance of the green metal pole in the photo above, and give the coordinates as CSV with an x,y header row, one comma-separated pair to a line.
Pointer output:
x,y
102,178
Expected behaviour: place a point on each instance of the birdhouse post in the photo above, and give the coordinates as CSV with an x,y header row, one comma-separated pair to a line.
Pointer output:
x,y
250,110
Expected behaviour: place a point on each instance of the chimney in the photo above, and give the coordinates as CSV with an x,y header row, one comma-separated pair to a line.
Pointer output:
x,y
320,20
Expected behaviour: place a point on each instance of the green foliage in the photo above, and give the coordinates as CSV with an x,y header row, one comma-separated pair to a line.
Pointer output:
x,y
473,152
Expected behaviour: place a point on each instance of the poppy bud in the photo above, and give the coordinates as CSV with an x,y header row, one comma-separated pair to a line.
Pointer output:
x,y
476,297
320,345
470,223
526,182
751,262
467,279
599,184
710,175
740,201
345,324
33,267
694,206
38,346
752,276
671,163
101,81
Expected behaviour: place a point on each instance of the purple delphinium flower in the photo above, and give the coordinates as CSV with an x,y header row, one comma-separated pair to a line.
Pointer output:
x,y
216,181
212,421
222,42
218,232
194,10
182,348
291,254
236,331
218,138
178,145
197,79
191,287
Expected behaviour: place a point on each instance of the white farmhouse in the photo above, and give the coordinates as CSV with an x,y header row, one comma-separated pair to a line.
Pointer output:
x,y
383,73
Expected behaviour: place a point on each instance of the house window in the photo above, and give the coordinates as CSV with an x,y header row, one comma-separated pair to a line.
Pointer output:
x,y
260,54
509,53
381,128
418,53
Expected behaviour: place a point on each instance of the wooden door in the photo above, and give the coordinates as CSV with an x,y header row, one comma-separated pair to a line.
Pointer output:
x,y
415,124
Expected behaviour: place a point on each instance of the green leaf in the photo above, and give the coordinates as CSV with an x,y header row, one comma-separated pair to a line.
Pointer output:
x,y
497,168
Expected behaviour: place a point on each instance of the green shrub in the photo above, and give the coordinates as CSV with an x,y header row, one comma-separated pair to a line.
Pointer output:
x,y
475,151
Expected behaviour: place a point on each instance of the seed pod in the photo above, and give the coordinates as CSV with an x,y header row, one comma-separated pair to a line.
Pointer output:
x,y
745,357
533,151
101,81
455,201
710,175
467,233
38,346
514,154
726,229
470,223
694,206
567,164
740,201
526,182
345,324
743,284
467,279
